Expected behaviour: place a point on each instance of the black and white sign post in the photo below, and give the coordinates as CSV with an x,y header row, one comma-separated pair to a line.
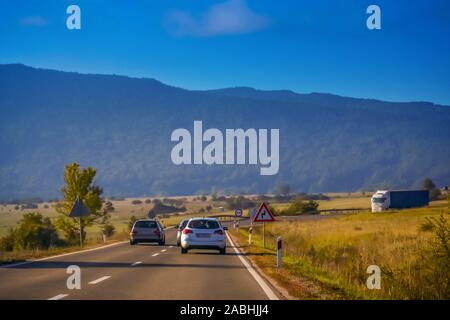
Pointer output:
x,y
279,252
79,210
264,215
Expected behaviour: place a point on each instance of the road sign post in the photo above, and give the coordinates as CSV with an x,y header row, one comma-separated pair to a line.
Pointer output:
x,y
79,210
264,215
264,235
81,232
250,231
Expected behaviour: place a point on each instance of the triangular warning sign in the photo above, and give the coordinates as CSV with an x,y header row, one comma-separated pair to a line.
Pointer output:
x,y
263,214
79,209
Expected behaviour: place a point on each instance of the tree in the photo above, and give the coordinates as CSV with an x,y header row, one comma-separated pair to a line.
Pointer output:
x,y
283,189
428,184
79,183
434,192
131,222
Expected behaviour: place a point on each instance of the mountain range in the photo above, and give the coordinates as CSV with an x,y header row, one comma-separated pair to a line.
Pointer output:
x,y
122,126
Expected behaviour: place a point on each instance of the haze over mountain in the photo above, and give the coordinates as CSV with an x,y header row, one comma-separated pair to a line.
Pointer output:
x,y
122,127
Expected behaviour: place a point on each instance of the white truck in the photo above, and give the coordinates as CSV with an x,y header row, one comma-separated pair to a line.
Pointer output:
x,y
399,199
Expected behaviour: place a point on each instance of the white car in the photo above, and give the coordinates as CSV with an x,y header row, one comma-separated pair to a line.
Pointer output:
x,y
203,233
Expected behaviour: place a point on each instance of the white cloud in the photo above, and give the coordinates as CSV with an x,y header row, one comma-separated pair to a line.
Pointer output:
x,y
226,18
33,21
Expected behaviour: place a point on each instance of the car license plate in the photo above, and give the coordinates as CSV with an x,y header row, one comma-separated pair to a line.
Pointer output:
x,y
203,235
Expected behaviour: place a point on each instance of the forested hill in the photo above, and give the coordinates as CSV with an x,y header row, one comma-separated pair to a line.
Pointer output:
x,y
122,127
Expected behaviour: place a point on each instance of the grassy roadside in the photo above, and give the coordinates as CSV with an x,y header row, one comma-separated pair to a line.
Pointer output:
x,y
299,278
328,258
25,255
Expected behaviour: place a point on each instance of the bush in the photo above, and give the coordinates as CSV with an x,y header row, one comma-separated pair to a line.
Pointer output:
x,y
108,230
136,202
34,232
7,242
301,207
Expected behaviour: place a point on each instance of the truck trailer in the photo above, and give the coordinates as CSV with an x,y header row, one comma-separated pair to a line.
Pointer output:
x,y
399,199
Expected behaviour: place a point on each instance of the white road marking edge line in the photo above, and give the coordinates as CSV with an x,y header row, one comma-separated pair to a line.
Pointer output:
x,y
267,290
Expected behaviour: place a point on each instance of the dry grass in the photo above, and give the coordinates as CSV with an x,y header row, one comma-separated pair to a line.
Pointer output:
x,y
337,251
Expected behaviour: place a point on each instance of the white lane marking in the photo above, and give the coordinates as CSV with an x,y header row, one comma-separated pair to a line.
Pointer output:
x,y
154,255
58,297
136,263
100,280
61,255
163,250
267,290
171,247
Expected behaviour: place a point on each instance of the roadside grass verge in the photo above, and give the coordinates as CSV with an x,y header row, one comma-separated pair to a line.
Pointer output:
x,y
328,258
25,255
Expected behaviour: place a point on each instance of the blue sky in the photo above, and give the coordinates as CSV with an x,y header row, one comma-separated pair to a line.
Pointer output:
x,y
305,46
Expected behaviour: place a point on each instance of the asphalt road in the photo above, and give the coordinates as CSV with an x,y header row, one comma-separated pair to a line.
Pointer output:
x,y
142,271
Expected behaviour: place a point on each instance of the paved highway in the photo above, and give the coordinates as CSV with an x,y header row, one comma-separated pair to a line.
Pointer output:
x,y
150,271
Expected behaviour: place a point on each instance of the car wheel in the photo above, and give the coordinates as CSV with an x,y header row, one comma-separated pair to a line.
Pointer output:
x,y
223,251
183,250
178,244
162,242
132,242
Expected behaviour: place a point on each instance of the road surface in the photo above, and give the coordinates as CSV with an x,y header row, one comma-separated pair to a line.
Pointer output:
x,y
142,271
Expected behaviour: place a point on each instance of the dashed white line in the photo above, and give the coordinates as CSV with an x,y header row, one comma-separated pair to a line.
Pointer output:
x,y
100,280
136,263
154,255
164,250
58,297
171,247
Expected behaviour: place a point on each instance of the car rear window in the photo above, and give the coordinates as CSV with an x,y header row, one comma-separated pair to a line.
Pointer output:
x,y
146,224
204,224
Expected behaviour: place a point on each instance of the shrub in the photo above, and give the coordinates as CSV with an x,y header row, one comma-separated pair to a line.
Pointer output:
x,y
136,202
301,207
34,232
108,230
7,242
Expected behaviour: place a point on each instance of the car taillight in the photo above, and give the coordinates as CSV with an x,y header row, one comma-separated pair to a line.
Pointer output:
x,y
157,232
187,231
219,232
134,232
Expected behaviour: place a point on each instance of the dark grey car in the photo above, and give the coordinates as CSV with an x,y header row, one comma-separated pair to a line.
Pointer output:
x,y
147,230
